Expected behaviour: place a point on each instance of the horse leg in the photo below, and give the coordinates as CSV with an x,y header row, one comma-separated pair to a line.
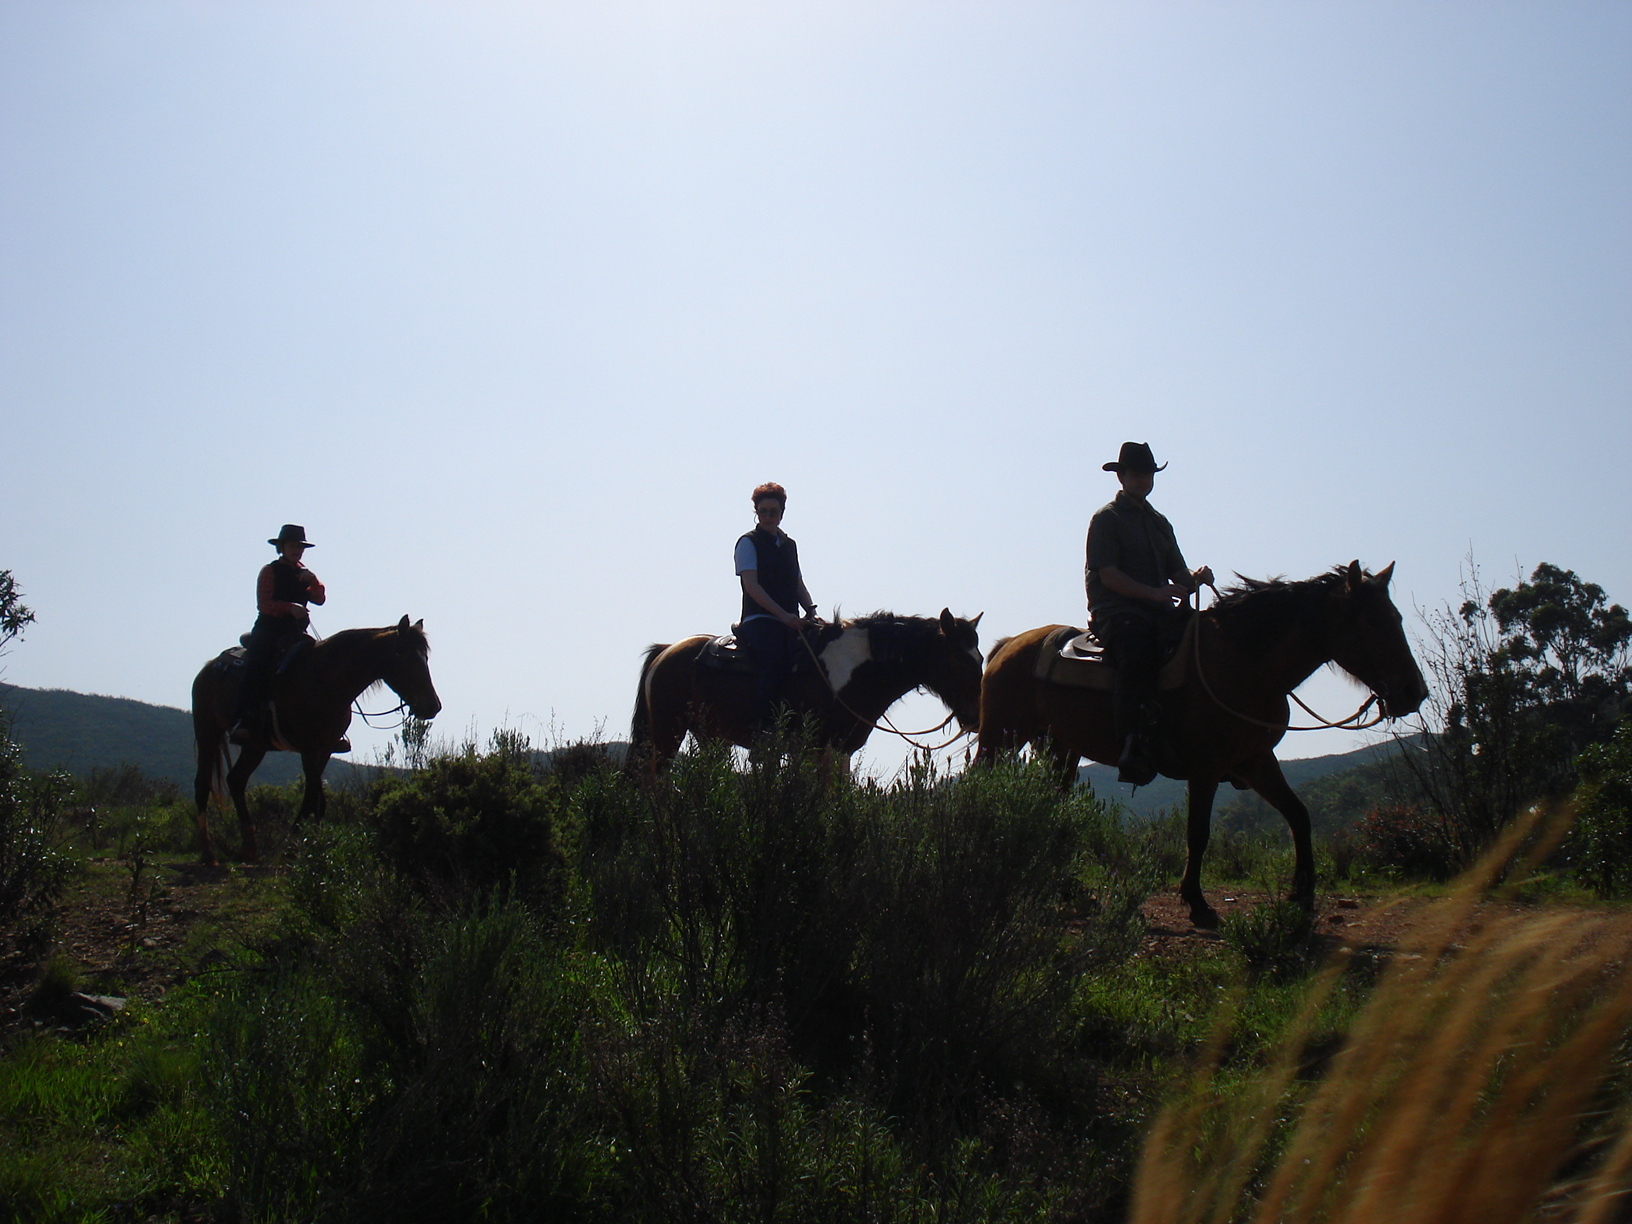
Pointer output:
x,y
249,760
313,801
1064,761
1263,774
1197,831
204,783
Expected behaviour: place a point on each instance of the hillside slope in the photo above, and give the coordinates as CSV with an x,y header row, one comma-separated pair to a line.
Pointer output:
x,y
79,732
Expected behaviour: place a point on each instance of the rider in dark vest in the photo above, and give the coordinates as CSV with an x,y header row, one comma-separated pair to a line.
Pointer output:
x,y
1137,586
767,562
282,591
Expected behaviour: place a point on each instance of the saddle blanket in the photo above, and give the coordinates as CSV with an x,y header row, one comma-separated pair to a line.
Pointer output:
x,y
1077,659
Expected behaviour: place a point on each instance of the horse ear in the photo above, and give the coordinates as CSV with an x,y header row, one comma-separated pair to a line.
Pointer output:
x,y
403,623
1383,575
1355,575
419,625
949,623
975,623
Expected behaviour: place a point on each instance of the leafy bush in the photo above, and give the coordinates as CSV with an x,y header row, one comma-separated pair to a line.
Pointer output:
x,y
33,869
1409,839
471,825
1274,938
1600,845
925,939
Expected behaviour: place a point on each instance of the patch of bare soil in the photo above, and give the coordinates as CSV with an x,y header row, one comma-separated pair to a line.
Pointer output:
x,y
139,942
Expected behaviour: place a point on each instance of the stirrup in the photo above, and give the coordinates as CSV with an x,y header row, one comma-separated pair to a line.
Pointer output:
x,y
1133,766
340,745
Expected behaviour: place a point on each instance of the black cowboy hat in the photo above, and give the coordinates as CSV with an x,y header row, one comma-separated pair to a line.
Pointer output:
x,y
291,532
1134,457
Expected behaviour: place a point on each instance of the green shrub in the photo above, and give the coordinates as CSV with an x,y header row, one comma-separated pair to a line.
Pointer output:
x,y
1600,845
469,826
1274,938
33,868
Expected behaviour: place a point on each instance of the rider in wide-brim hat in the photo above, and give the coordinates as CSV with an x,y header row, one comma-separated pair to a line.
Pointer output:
x,y
1133,457
282,590
1138,582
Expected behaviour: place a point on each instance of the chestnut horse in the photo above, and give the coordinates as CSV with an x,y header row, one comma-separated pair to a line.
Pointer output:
x,y
1251,648
311,709
868,664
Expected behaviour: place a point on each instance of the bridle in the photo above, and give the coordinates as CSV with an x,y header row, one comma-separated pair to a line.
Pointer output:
x,y
1351,723
886,726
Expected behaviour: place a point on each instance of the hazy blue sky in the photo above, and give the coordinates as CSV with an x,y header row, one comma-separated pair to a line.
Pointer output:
x,y
511,304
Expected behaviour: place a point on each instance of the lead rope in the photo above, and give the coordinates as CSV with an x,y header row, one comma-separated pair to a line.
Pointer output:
x,y
888,726
1351,723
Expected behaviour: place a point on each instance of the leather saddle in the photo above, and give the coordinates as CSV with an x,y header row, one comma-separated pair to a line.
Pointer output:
x,y
232,659
1077,659
725,653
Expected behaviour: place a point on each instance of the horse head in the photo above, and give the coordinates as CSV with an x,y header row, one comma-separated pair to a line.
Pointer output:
x,y
407,669
1369,641
954,667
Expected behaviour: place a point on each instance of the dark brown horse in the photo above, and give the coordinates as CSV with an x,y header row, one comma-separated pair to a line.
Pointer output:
x,y
311,709
1252,648
868,664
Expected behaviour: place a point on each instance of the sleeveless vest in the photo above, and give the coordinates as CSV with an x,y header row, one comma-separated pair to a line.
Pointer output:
x,y
778,572
287,584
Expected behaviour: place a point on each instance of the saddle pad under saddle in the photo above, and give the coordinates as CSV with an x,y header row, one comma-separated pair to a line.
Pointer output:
x,y
1077,659
725,653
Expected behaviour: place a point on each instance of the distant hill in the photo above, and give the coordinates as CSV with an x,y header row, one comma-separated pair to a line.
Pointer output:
x,y
1151,801
81,731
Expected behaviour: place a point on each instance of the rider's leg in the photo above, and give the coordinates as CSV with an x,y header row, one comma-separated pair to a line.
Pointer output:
x,y
1133,643
770,643
259,655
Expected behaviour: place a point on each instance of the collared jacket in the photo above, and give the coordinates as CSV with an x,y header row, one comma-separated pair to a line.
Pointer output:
x,y
1134,537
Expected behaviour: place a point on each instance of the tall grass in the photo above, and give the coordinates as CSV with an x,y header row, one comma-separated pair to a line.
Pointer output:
x,y
1484,1080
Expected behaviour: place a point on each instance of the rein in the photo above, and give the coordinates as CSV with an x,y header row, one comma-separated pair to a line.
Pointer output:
x,y
1351,723
357,709
887,725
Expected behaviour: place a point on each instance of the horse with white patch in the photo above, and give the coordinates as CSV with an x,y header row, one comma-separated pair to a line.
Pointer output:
x,y
864,665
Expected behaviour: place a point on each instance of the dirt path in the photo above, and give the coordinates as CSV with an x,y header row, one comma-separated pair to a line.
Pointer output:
x,y
139,945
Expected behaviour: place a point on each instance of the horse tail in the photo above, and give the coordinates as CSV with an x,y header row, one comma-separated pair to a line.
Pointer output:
x,y
640,726
209,739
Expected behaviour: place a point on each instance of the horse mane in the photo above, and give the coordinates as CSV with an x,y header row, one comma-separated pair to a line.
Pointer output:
x,y
893,635
356,637
1255,613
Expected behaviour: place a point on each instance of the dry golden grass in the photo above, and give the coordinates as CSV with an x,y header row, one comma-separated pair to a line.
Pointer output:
x,y
1471,1087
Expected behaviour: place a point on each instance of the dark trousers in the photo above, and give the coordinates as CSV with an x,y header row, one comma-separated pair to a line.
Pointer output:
x,y
772,645
268,641
1136,644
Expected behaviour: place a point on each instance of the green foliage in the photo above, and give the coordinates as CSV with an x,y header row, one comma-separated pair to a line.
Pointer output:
x,y
469,825
1274,938
1600,845
14,616
33,868
1523,680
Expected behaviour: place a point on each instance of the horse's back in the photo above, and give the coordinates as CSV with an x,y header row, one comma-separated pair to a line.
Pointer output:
x,y
1009,712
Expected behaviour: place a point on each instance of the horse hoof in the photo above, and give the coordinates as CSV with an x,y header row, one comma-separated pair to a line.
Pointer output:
x,y
1204,917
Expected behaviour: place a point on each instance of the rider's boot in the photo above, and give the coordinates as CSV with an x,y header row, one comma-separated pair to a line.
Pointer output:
x,y
1134,764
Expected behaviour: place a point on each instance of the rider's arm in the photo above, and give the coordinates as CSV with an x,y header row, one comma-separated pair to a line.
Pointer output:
x,y
805,601
314,589
755,592
1132,588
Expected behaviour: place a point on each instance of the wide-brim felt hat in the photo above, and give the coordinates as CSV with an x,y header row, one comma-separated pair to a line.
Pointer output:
x,y
1134,457
291,533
